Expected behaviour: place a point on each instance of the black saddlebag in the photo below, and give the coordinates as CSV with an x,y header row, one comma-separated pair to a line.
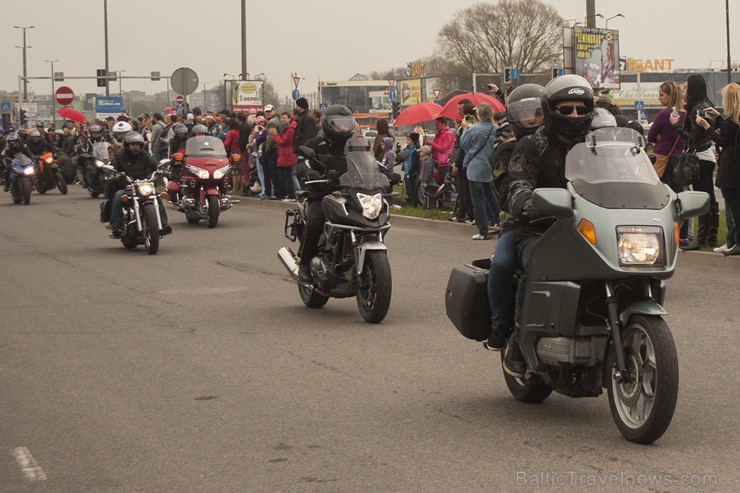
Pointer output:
x,y
466,300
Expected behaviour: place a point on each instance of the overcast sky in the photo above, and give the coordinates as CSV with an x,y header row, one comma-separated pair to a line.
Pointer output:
x,y
326,39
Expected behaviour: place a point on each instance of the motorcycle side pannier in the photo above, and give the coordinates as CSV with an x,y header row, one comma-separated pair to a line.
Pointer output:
x,y
466,300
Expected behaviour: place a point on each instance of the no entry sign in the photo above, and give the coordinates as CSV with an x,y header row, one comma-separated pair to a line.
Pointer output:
x,y
180,99
64,95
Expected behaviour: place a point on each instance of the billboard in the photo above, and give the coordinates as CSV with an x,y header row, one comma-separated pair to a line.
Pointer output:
x,y
108,106
409,92
246,94
596,55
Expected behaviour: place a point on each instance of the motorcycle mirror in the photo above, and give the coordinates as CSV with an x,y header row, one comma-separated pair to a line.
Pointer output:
x,y
556,202
692,204
307,151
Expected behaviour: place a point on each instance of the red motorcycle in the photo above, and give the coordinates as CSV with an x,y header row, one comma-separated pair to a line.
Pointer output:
x,y
200,179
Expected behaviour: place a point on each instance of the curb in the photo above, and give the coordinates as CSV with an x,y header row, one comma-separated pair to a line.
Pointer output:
x,y
707,260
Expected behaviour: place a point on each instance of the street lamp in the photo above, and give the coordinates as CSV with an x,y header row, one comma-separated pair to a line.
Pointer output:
x,y
592,21
610,18
53,98
260,76
25,80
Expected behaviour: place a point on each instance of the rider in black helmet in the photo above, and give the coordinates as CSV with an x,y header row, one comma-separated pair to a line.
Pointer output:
x,y
14,145
538,161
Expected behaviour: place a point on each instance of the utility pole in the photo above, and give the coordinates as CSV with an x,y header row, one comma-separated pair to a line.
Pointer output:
x,y
244,39
590,13
53,96
729,60
25,80
107,69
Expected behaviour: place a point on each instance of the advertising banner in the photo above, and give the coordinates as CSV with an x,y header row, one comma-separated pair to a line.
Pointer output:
x,y
108,106
596,53
410,92
246,95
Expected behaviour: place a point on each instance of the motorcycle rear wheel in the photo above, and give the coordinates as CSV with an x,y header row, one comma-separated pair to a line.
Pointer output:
x,y
375,289
151,228
643,408
532,390
214,208
26,192
311,298
61,183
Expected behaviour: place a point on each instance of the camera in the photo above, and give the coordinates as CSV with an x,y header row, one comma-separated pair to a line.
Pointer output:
x,y
701,113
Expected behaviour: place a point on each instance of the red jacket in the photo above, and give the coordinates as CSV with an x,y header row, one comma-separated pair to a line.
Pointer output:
x,y
232,142
286,156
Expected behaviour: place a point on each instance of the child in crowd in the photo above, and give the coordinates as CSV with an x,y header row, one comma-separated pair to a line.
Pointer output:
x,y
428,182
388,158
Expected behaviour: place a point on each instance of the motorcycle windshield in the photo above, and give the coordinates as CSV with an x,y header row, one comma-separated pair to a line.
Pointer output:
x,y
612,170
22,160
205,146
100,150
362,169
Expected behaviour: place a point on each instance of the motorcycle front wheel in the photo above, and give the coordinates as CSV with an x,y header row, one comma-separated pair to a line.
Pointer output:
x,y
375,287
26,191
214,208
151,228
61,183
643,407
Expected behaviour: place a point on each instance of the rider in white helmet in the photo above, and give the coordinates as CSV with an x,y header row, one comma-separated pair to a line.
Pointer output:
x,y
119,131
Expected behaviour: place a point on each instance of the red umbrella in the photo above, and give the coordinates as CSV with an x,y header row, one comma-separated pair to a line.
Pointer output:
x,y
450,109
71,114
419,112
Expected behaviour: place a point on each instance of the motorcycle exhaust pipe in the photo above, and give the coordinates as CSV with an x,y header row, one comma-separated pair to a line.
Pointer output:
x,y
288,260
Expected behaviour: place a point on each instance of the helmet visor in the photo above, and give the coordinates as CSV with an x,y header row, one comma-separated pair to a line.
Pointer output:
x,y
527,112
341,124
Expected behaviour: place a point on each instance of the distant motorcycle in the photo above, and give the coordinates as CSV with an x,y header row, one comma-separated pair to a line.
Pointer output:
x,y
92,168
201,180
49,175
22,174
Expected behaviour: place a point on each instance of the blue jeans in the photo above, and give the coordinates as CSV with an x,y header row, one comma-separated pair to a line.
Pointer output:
x,y
524,251
411,190
730,222
501,282
732,207
480,191
116,213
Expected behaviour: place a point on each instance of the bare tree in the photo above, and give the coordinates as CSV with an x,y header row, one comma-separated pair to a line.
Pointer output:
x,y
485,37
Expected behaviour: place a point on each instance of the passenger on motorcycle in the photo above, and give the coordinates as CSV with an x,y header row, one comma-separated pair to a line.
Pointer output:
x,y
37,144
13,146
524,116
119,132
177,143
137,164
539,161
337,126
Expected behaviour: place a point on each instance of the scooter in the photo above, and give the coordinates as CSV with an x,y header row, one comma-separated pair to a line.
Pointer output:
x,y
592,315
352,258
200,180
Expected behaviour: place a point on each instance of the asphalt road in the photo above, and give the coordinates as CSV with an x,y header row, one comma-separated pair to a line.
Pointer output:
x,y
199,369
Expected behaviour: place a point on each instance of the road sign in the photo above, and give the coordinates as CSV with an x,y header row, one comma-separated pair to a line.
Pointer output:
x,y
323,106
184,81
64,95
179,99
58,76
4,106
639,105
154,76
296,94
436,93
437,101
392,95
516,73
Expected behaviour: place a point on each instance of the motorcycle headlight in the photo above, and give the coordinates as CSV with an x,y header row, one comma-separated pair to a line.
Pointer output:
x,y
199,172
28,171
221,172
49,160
146,189
371,204
640,245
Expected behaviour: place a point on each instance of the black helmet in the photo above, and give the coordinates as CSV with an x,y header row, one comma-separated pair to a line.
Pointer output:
x,y
34,135
524,109
133,138
199,129
181,130
569,87
338,123
13,138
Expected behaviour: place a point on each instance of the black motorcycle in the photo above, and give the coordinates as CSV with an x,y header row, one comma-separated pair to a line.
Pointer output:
x,y
352,258
49,176
91,168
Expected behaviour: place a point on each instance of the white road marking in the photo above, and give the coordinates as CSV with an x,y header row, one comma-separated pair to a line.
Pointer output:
x,y
29,466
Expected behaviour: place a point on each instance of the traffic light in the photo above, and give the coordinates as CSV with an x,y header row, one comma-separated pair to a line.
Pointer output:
x,y
507,75
24,118
101,77
396,109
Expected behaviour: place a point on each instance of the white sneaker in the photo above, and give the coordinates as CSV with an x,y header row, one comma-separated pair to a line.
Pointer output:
x,y
721,249
480,237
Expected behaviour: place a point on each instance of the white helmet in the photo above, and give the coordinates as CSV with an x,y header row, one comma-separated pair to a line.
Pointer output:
x,y
120,129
